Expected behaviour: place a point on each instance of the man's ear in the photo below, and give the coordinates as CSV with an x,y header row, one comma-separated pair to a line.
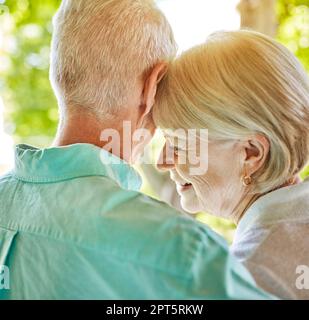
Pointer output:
x,y
150,87
256,151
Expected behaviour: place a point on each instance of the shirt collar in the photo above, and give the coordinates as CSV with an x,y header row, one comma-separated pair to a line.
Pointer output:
x,y
79,160
274,206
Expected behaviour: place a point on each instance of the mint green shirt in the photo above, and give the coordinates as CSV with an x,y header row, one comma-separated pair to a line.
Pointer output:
x,y
73,226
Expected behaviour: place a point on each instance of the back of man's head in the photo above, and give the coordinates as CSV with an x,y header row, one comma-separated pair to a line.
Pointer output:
x,y
101,48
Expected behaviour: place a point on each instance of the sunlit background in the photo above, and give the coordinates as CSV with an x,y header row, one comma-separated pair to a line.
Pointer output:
x,y
28,109
194,20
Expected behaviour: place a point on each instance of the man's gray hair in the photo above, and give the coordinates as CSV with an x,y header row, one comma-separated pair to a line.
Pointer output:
x,y
101,48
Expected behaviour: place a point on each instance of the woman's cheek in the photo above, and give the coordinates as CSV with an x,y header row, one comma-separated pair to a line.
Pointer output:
x,y
184,172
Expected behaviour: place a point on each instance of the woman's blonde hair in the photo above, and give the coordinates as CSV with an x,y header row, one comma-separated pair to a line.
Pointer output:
x,y
237,84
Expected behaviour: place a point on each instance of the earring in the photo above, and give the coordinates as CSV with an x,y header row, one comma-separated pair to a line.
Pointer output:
x,y
246,179
292,181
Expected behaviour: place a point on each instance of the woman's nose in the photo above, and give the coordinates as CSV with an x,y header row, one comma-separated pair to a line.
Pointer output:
x,y
166,159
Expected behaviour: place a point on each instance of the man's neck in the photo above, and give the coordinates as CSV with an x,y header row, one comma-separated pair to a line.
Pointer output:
x,y
83,127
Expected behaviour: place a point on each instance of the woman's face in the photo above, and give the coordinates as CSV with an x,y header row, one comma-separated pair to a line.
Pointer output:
x,y
218,189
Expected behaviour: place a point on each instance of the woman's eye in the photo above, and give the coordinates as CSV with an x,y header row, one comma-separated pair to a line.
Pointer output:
x,y
176,150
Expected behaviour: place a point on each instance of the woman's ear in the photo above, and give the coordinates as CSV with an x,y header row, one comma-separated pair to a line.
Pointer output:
x,y
256,152
150,88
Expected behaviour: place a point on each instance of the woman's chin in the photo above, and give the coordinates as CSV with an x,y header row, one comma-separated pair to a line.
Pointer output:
x,y
188,200
190,206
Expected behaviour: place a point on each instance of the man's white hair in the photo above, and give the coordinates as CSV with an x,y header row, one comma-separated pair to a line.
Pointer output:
x,y
101,48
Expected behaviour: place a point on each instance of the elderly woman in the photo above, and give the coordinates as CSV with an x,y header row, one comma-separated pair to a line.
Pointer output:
x,y
252,95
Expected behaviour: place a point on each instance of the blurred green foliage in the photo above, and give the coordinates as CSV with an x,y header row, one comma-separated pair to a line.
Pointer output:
x,y
30,102
293,30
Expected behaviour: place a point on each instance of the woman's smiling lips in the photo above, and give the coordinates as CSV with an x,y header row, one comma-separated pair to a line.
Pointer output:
x,y
183,187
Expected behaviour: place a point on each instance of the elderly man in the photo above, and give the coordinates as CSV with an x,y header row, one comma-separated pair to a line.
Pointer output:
x,y
73,224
